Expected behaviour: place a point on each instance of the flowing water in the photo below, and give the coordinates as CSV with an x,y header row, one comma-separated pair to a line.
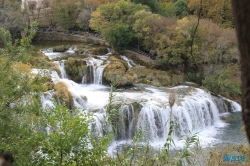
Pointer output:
x,y
146,108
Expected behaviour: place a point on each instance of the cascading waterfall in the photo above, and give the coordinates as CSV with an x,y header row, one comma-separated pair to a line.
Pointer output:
x,y
95,68
71,50
145,109
191,115
109,50
129,61
60,64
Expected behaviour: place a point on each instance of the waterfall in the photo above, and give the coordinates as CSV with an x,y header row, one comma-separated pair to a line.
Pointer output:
x,y
50,54
127,122
71,50
142,108
195,112
47,100
95,68
129,61
109,50
61,66
154,121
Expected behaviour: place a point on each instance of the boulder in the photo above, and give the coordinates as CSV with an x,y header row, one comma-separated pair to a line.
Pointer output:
x,y
75,68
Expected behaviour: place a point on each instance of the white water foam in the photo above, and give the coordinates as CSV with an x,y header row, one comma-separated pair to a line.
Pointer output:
x,y
61,66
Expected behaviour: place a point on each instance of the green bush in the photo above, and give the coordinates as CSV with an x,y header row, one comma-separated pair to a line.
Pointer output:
x,y
224,82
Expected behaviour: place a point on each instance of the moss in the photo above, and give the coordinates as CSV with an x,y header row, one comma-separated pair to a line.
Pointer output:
x,y
98,50
63,96
117,58
61,48
40,61
75,69
115,73
141,74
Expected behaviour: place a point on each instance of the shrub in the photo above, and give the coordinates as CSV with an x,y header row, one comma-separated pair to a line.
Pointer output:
x,y
224,82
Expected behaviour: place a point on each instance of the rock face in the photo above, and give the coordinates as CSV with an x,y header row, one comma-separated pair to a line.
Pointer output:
x,y
76,69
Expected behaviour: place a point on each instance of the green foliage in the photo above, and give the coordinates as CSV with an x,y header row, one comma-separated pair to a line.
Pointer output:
x,y
224,82
142,27
114,22
182,9
67,140
168,9
6,39
118,35
219,11
66,12
153,4
28,35
18,50
19,101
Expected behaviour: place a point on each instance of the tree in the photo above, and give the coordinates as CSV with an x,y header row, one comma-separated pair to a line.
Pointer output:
x,y
219,11
153,4
242,24
141,25
18,49
167,9
118,35
66,12
116,19
12,17
182,9
67,139
224,81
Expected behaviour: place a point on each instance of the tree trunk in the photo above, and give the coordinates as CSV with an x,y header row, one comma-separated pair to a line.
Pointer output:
x,y
241,10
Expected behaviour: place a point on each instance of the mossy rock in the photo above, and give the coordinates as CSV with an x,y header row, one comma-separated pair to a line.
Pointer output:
x,y
154,77
115,73
98,50
75,69
61,48
117,58
63,96
54,66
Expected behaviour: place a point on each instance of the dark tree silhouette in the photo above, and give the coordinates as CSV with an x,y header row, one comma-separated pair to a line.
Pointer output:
x,y
241,10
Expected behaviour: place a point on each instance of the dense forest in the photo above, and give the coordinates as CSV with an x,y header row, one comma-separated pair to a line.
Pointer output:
x,y
190,40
